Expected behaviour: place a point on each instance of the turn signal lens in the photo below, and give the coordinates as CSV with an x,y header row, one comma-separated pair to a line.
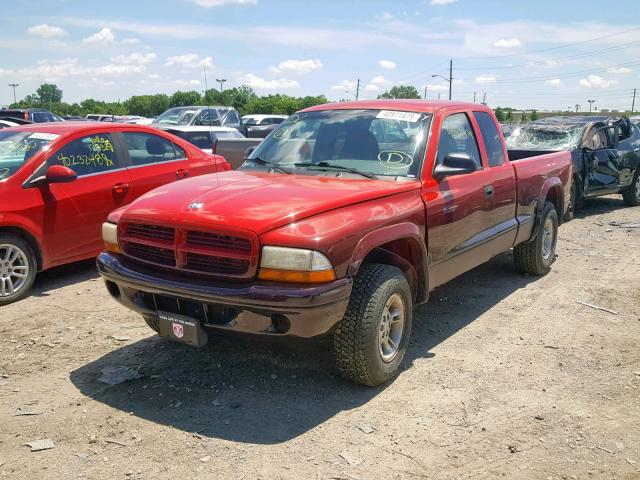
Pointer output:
x,y
110,237
293,276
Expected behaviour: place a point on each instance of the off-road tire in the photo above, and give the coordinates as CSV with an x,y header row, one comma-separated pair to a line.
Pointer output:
x,y
631,194
23,245
356,341
528,257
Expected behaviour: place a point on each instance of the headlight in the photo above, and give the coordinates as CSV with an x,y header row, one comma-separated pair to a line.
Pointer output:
x,y
110,237
283,264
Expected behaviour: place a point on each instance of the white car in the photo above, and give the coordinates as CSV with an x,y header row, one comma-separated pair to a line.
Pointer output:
x,y
8,123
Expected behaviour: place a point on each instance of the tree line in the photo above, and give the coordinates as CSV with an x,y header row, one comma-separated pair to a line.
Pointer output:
x,y
243,98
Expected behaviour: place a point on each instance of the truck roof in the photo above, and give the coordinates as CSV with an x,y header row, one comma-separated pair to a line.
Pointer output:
x,y
426,106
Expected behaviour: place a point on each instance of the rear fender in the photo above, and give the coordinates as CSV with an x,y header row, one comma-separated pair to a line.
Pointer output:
x,y
552,191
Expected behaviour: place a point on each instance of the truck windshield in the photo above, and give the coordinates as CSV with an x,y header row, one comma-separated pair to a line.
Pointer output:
x,y
16,148
379,142
536,138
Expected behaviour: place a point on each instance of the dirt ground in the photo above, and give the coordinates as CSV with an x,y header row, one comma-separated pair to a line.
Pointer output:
x,y
507,376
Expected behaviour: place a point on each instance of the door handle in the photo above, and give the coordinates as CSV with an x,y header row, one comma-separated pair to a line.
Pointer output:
x,y
488,190
182,173
120,187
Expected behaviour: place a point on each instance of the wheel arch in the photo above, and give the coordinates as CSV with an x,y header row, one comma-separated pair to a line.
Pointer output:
x,y
402,246
30,239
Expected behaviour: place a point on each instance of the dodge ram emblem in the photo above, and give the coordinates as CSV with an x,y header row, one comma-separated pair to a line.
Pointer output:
x,y
195,205
178,330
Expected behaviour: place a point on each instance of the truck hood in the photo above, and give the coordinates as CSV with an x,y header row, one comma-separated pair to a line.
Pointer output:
x,y
254,201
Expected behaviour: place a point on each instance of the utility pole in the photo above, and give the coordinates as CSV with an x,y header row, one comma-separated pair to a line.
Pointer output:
x,y
439,96
633,103
450,76
221,82
357,89
577,107
474,97
484,98
425,92
14,85
590,104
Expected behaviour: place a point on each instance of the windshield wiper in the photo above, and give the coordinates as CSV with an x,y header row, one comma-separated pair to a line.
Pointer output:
x,y
338,167
267,163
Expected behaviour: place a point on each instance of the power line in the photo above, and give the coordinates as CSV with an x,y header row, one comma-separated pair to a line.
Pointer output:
x,y
624,46
565,45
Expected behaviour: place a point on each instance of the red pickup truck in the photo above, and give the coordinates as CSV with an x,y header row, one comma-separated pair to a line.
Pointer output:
x,y
339,223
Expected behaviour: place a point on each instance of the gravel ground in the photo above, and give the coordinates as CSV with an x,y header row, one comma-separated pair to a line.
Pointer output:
x,y
507,376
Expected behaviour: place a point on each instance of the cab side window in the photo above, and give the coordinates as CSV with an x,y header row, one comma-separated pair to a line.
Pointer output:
x,y
88,155
146,149
492,140
456,136
599,140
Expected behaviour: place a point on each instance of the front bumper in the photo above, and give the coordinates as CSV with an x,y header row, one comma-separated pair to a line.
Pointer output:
x,y
256,308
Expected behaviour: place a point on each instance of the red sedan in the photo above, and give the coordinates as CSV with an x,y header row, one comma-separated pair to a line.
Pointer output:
x,y
59,181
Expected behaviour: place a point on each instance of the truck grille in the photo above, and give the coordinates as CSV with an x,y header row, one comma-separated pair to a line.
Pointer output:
x,y
226,254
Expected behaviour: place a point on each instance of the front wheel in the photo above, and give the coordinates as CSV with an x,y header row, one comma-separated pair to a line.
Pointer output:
x,y
17,268
536,256
631,194
372,339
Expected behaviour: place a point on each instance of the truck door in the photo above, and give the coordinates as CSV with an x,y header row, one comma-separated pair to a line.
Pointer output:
x,y
603,163
459,208
503,183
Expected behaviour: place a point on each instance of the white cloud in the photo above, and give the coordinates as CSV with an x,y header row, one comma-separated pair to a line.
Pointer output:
x,y
220,3
103,37
378,80
596,81
508,43
345,86
46,31
371,88
387,64
442,2
556,82
71,67
257,82
186,83
619,70
131,40
437,87
485,78
135,58
298,67
190,60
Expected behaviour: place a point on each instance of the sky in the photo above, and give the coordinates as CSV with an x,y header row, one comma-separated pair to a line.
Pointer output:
x,y
544,54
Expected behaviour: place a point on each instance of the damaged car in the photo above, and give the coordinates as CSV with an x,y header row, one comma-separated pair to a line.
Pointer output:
x,y
605,153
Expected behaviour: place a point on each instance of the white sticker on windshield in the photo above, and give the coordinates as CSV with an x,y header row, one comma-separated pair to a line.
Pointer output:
x,y
44,136
396,115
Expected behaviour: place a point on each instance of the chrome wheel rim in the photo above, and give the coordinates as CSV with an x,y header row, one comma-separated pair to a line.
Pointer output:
x,y
547,239
14,269
391,328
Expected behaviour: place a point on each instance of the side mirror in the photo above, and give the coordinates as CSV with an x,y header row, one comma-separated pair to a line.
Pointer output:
x,y
249,151
457,163
60,174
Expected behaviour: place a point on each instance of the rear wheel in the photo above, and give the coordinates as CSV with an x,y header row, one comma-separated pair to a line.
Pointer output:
x,y
631,194
536,256
17,268
572,202
372,338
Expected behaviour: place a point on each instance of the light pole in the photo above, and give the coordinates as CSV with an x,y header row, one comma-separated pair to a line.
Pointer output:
x,y
14,85
591,102
221,82
448,80
425,92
